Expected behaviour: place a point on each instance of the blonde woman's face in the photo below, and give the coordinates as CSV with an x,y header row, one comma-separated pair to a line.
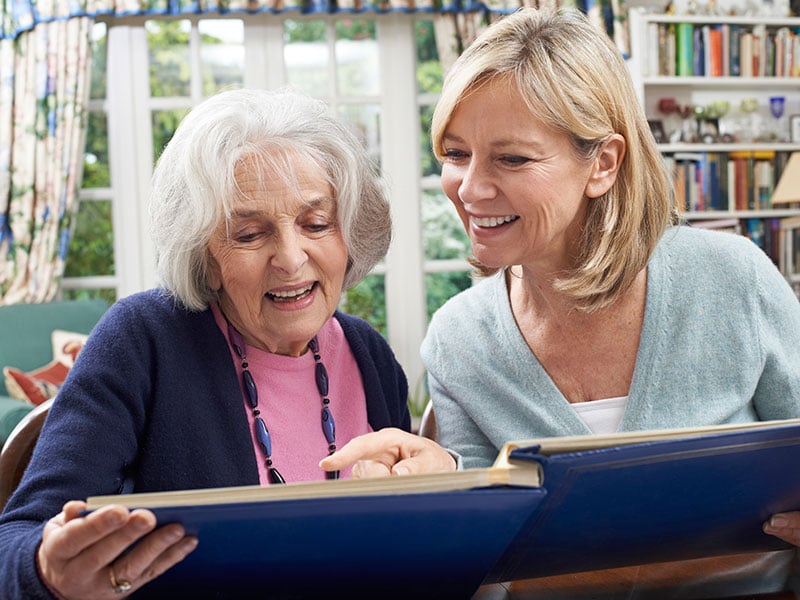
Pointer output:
x,y
515,182
280,262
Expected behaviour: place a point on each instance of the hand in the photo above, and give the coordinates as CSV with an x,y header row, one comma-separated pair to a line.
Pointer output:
x,y
785,526
390,451
79,556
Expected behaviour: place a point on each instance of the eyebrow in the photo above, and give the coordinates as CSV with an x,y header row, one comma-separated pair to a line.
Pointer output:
x,y
532,144
246,213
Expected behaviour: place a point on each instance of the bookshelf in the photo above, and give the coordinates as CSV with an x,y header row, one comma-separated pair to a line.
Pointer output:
x,y
723,97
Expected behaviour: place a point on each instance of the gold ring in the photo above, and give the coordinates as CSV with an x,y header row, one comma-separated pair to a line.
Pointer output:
x,y
119,586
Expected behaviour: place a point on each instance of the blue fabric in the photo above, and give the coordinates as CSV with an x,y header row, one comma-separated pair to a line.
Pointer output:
x,y
148,406
23,15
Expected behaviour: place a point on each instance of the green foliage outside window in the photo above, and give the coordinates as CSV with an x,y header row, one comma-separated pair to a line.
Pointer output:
x,y
91,250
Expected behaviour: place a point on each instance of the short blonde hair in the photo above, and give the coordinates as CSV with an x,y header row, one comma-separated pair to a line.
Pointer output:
x,y
193,184
574,79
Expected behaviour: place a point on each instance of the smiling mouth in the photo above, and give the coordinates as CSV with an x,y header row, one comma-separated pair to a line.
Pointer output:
x,y
493,221
291,295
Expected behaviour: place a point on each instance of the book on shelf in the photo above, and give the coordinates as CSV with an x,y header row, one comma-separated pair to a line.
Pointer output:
x,y
684,49
546,506
726,49
787,190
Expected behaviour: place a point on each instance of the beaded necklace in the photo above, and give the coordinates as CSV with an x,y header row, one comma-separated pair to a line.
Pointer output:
x,y
251,396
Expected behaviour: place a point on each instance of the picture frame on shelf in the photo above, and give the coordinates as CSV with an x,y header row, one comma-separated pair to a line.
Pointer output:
x,y
657,128
794,128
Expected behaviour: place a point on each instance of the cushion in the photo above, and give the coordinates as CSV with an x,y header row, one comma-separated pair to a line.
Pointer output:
x,y
38,385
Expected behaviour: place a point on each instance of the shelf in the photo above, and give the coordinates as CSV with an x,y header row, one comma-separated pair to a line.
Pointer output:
x,y
771,213
743,147
758,83
715,19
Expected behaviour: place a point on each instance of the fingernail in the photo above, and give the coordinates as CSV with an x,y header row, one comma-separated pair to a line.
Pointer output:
x,y
189,544
779,522
401,470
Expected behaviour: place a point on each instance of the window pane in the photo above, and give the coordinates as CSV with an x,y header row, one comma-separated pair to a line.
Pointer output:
x,y
91,249
109,295
442,233
165,122
439,287
168,49
221,54
357,58
95,156
429,164
368,301
365,119
98,73
429,69
307,56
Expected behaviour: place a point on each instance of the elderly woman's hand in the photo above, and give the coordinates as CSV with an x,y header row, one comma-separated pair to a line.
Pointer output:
x,y
79,556
390,451
785,526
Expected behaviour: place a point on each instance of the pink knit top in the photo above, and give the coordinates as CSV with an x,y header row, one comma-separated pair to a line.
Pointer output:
x,y
290,403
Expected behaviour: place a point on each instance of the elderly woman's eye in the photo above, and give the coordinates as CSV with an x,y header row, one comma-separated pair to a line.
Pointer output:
x,y
319,226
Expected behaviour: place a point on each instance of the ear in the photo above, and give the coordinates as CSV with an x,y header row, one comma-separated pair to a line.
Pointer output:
x,y
214,275
606,166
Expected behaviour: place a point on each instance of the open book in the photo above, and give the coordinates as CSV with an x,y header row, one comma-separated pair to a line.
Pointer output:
x,y
545,507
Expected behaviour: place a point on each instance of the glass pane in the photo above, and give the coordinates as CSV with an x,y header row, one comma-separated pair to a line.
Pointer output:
x,y
306,56
439,287
107,294
91,249
443,235
98,74
168,49
368,301
165,122
221,54
357,58
95,156
365,119
430,166
429,69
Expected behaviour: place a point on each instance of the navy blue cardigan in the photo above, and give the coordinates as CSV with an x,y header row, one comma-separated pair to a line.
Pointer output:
x,y
147,407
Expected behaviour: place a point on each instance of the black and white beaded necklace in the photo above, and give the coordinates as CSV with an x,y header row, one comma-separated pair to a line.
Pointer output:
x,y
251,396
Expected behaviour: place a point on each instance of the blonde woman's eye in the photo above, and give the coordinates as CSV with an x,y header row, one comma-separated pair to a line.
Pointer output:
x,y
515,160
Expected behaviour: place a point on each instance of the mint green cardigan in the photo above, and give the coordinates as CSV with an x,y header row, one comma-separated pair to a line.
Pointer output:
x,y
720,343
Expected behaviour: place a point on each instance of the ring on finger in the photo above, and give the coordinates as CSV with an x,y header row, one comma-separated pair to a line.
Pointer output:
x,y
120,586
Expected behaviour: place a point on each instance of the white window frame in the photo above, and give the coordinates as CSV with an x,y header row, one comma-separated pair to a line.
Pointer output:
x,y
129,106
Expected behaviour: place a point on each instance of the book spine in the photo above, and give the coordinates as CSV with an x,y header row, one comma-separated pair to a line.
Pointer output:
x,y
734,43
725,34
684,49
698,53
746,54
714,52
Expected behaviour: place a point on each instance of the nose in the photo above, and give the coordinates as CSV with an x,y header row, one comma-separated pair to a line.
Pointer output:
x,y
290,254
476,183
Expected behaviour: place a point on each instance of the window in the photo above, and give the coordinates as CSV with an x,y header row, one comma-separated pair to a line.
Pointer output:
x,y
147,74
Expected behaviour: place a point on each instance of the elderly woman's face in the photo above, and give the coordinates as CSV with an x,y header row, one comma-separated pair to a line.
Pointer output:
x,y
280,262
516,183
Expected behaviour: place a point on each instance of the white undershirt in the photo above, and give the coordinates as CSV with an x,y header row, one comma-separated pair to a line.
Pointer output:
x,y
602,416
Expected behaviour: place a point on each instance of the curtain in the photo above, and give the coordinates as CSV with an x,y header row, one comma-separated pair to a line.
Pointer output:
x,y
45,67
44,77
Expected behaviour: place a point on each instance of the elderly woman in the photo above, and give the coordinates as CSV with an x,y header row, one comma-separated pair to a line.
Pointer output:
x,y
264,208
596,314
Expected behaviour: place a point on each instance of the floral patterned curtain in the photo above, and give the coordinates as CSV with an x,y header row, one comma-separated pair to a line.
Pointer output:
x,y
44,79
44,76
